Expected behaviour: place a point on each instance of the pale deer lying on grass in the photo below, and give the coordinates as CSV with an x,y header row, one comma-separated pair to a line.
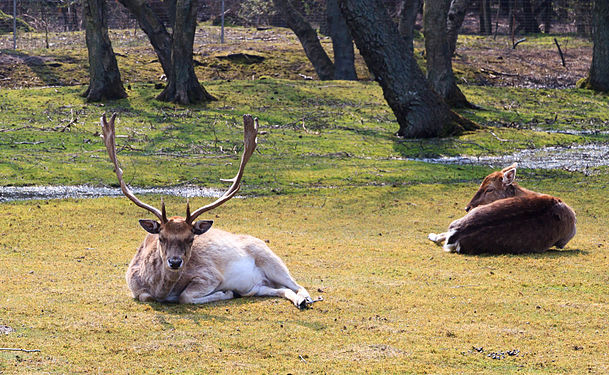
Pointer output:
x,y
506,218
186,261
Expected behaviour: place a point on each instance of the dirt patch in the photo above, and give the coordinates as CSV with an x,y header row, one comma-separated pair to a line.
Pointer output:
x,y
532,66
5,330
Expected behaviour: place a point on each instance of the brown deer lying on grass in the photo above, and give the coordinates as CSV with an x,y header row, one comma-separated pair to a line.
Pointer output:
x,y
506,218
186,261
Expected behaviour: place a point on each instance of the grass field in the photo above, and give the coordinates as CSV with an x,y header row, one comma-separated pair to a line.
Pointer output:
x,y
337,197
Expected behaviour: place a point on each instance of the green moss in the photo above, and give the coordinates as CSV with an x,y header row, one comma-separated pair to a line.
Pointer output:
x,y
312,134
6,24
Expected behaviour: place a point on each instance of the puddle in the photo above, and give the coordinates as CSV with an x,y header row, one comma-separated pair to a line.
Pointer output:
x,y
12,193
572,158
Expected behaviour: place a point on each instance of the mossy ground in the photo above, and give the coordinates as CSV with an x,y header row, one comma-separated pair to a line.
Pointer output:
x,y
331,189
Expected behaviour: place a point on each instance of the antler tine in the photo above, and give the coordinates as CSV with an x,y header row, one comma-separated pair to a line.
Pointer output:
x,y
250,131
110,142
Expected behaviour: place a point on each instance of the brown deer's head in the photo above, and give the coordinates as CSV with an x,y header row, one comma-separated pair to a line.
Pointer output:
x,y
176,234
497,185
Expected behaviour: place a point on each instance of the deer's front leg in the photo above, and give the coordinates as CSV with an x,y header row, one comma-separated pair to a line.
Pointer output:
x,y
203,291
437,238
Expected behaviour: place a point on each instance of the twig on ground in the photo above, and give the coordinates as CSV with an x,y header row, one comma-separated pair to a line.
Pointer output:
x,y
20,350
518,42
562,57
499,139
486,70
307,130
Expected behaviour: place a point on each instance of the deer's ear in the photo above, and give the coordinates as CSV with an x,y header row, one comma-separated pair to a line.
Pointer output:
x,y
509,175
151,226
202,226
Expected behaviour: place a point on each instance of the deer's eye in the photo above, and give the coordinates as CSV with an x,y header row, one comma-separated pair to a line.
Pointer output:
x,y
490,190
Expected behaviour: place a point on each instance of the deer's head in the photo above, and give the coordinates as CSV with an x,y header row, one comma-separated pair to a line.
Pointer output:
x,y
497,185
176,234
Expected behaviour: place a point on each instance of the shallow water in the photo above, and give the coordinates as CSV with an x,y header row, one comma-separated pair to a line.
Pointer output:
x,y
11,193
571,158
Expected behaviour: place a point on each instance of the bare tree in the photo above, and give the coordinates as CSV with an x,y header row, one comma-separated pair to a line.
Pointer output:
x,y
173,50
455,17
104,76
420,112
408,16
308,38
598,79
342,43
439,55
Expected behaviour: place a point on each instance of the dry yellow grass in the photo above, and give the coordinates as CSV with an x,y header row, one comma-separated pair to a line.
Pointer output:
x,y
394,302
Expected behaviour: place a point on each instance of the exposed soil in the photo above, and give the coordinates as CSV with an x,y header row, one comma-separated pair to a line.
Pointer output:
x,y
482,60
529,65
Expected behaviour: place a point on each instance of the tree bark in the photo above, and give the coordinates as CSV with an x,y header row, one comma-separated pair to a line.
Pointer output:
x,y
420,112
183,86
155,30
407,20
104,76
598,78
173,50
439,57
456,15
485,17
308,38
342,43
530,23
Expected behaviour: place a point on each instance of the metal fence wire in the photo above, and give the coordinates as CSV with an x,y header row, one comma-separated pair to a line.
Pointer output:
x,y
39,22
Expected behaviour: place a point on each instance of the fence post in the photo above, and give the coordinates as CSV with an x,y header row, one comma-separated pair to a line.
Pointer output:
x,y
14,24
222,21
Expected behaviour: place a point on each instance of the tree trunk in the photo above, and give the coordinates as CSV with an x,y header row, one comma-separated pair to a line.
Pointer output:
x,y
546,12
154,29
104,76
456,15
598,78
437,50
173,50
530,23
582,17
407,20
183,86
342,43
485,17
308,38
420,112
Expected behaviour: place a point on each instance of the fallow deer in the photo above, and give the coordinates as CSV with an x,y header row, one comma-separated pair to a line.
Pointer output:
x,y
506,218
186,261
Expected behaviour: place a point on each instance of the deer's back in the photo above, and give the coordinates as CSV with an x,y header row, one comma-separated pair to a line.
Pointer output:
x,y
515,225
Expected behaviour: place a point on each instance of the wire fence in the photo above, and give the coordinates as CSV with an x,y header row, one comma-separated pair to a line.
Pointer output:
x,y
49,23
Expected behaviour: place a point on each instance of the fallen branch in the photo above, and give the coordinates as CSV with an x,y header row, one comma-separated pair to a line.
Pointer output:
x,y
518,42
562,57
20,350
486,70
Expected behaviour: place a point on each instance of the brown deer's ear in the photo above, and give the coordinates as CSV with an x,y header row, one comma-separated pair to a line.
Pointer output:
x,y
509,175
202,226
151,226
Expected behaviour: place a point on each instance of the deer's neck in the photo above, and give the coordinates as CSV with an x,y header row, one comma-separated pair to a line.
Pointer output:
x,y
165,280
519,191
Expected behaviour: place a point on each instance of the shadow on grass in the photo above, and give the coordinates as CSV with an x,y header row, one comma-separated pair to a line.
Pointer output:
x,y
552,253
39,66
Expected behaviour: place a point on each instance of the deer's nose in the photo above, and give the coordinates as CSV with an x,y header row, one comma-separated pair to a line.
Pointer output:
x,y
174,263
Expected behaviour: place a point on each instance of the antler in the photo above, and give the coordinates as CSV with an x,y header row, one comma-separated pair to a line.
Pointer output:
x,y
109,140
250,131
